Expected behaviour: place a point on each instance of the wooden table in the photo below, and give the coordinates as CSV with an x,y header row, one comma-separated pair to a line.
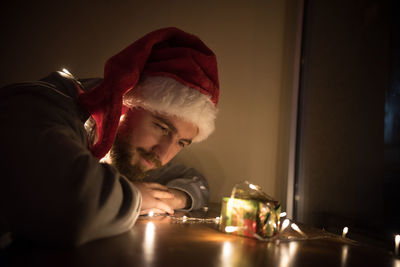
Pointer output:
x,y
165,241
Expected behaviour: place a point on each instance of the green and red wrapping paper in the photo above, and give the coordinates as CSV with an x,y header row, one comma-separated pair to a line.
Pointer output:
x,y
250,212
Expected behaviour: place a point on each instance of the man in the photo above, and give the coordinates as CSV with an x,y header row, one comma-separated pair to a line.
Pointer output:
x,y
54,189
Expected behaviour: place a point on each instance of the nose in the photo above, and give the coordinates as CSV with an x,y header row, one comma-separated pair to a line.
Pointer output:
x,y
164,149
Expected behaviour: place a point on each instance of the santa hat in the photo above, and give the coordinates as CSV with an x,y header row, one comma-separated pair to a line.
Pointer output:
x,y
167,71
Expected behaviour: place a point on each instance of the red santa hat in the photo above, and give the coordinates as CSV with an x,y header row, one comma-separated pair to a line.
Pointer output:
x,y
167,71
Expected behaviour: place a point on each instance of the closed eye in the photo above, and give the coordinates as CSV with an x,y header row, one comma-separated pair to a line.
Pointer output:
x,y
184,142
162,128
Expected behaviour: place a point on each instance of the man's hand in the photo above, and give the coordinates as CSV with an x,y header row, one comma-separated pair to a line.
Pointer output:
x,y
179,201
155,198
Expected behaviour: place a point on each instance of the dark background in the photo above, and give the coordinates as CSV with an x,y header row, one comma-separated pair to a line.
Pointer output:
x,y
348,156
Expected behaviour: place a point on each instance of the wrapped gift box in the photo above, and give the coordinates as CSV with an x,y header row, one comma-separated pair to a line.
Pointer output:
x,y
250,217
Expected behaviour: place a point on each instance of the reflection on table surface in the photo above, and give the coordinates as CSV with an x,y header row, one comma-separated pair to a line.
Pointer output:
x,y
169,241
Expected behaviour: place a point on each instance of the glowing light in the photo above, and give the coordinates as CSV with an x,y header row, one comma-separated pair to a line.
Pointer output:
x,y
285,224
252,186
345,252
227,249
151,213
217,219
148,244
345,231
283,214
229,205
287,254
292,248
284,258
396,243
231,229
66,71
184,218
226,255
296,228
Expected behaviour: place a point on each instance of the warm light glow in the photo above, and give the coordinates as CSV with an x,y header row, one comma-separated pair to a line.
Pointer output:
x,y
227,249
66,71
287,254
184,218
230,203
148,244
345,252
226,255
284,258
252,186
283,214
285,224
296,228
345,231
396,243
217,219
231,229
151,213
292,248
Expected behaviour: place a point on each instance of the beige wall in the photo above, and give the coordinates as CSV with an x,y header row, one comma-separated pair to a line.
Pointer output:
x,y
253,41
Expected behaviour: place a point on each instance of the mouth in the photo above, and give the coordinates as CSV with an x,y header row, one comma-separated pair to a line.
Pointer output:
x,y
147,163
149,159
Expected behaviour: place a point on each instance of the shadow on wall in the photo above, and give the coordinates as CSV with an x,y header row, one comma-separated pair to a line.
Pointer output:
x,y
203,160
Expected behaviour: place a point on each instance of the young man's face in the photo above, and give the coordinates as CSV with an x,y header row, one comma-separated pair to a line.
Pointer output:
x,y
147,140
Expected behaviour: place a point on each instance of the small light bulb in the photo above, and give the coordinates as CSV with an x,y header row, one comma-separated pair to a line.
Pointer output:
x,y
231,229
345,231
252,186
66,71
285,224
397,242
295,227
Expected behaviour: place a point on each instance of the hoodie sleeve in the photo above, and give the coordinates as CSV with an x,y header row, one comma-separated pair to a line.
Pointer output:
x,y
186,179
52,189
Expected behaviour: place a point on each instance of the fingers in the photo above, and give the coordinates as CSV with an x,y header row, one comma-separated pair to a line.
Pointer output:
x,y
156,186
179,201
152,196
156,211
164,206
155,190
158,207
161,194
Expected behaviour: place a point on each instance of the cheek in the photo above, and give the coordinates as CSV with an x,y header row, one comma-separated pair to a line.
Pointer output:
x,y
141,137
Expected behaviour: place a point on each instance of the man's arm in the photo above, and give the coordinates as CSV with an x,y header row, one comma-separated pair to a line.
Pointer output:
x,y
182,181
52,189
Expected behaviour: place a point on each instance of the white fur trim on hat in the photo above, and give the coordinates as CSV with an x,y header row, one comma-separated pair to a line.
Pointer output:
x,y
168,96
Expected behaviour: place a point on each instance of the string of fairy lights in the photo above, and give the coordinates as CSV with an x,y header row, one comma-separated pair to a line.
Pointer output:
x,y
284,230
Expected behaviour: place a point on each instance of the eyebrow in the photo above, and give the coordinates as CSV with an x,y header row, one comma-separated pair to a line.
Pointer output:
x,y
171,127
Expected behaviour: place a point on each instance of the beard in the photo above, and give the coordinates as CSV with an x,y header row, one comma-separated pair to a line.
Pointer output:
x,y
127,161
